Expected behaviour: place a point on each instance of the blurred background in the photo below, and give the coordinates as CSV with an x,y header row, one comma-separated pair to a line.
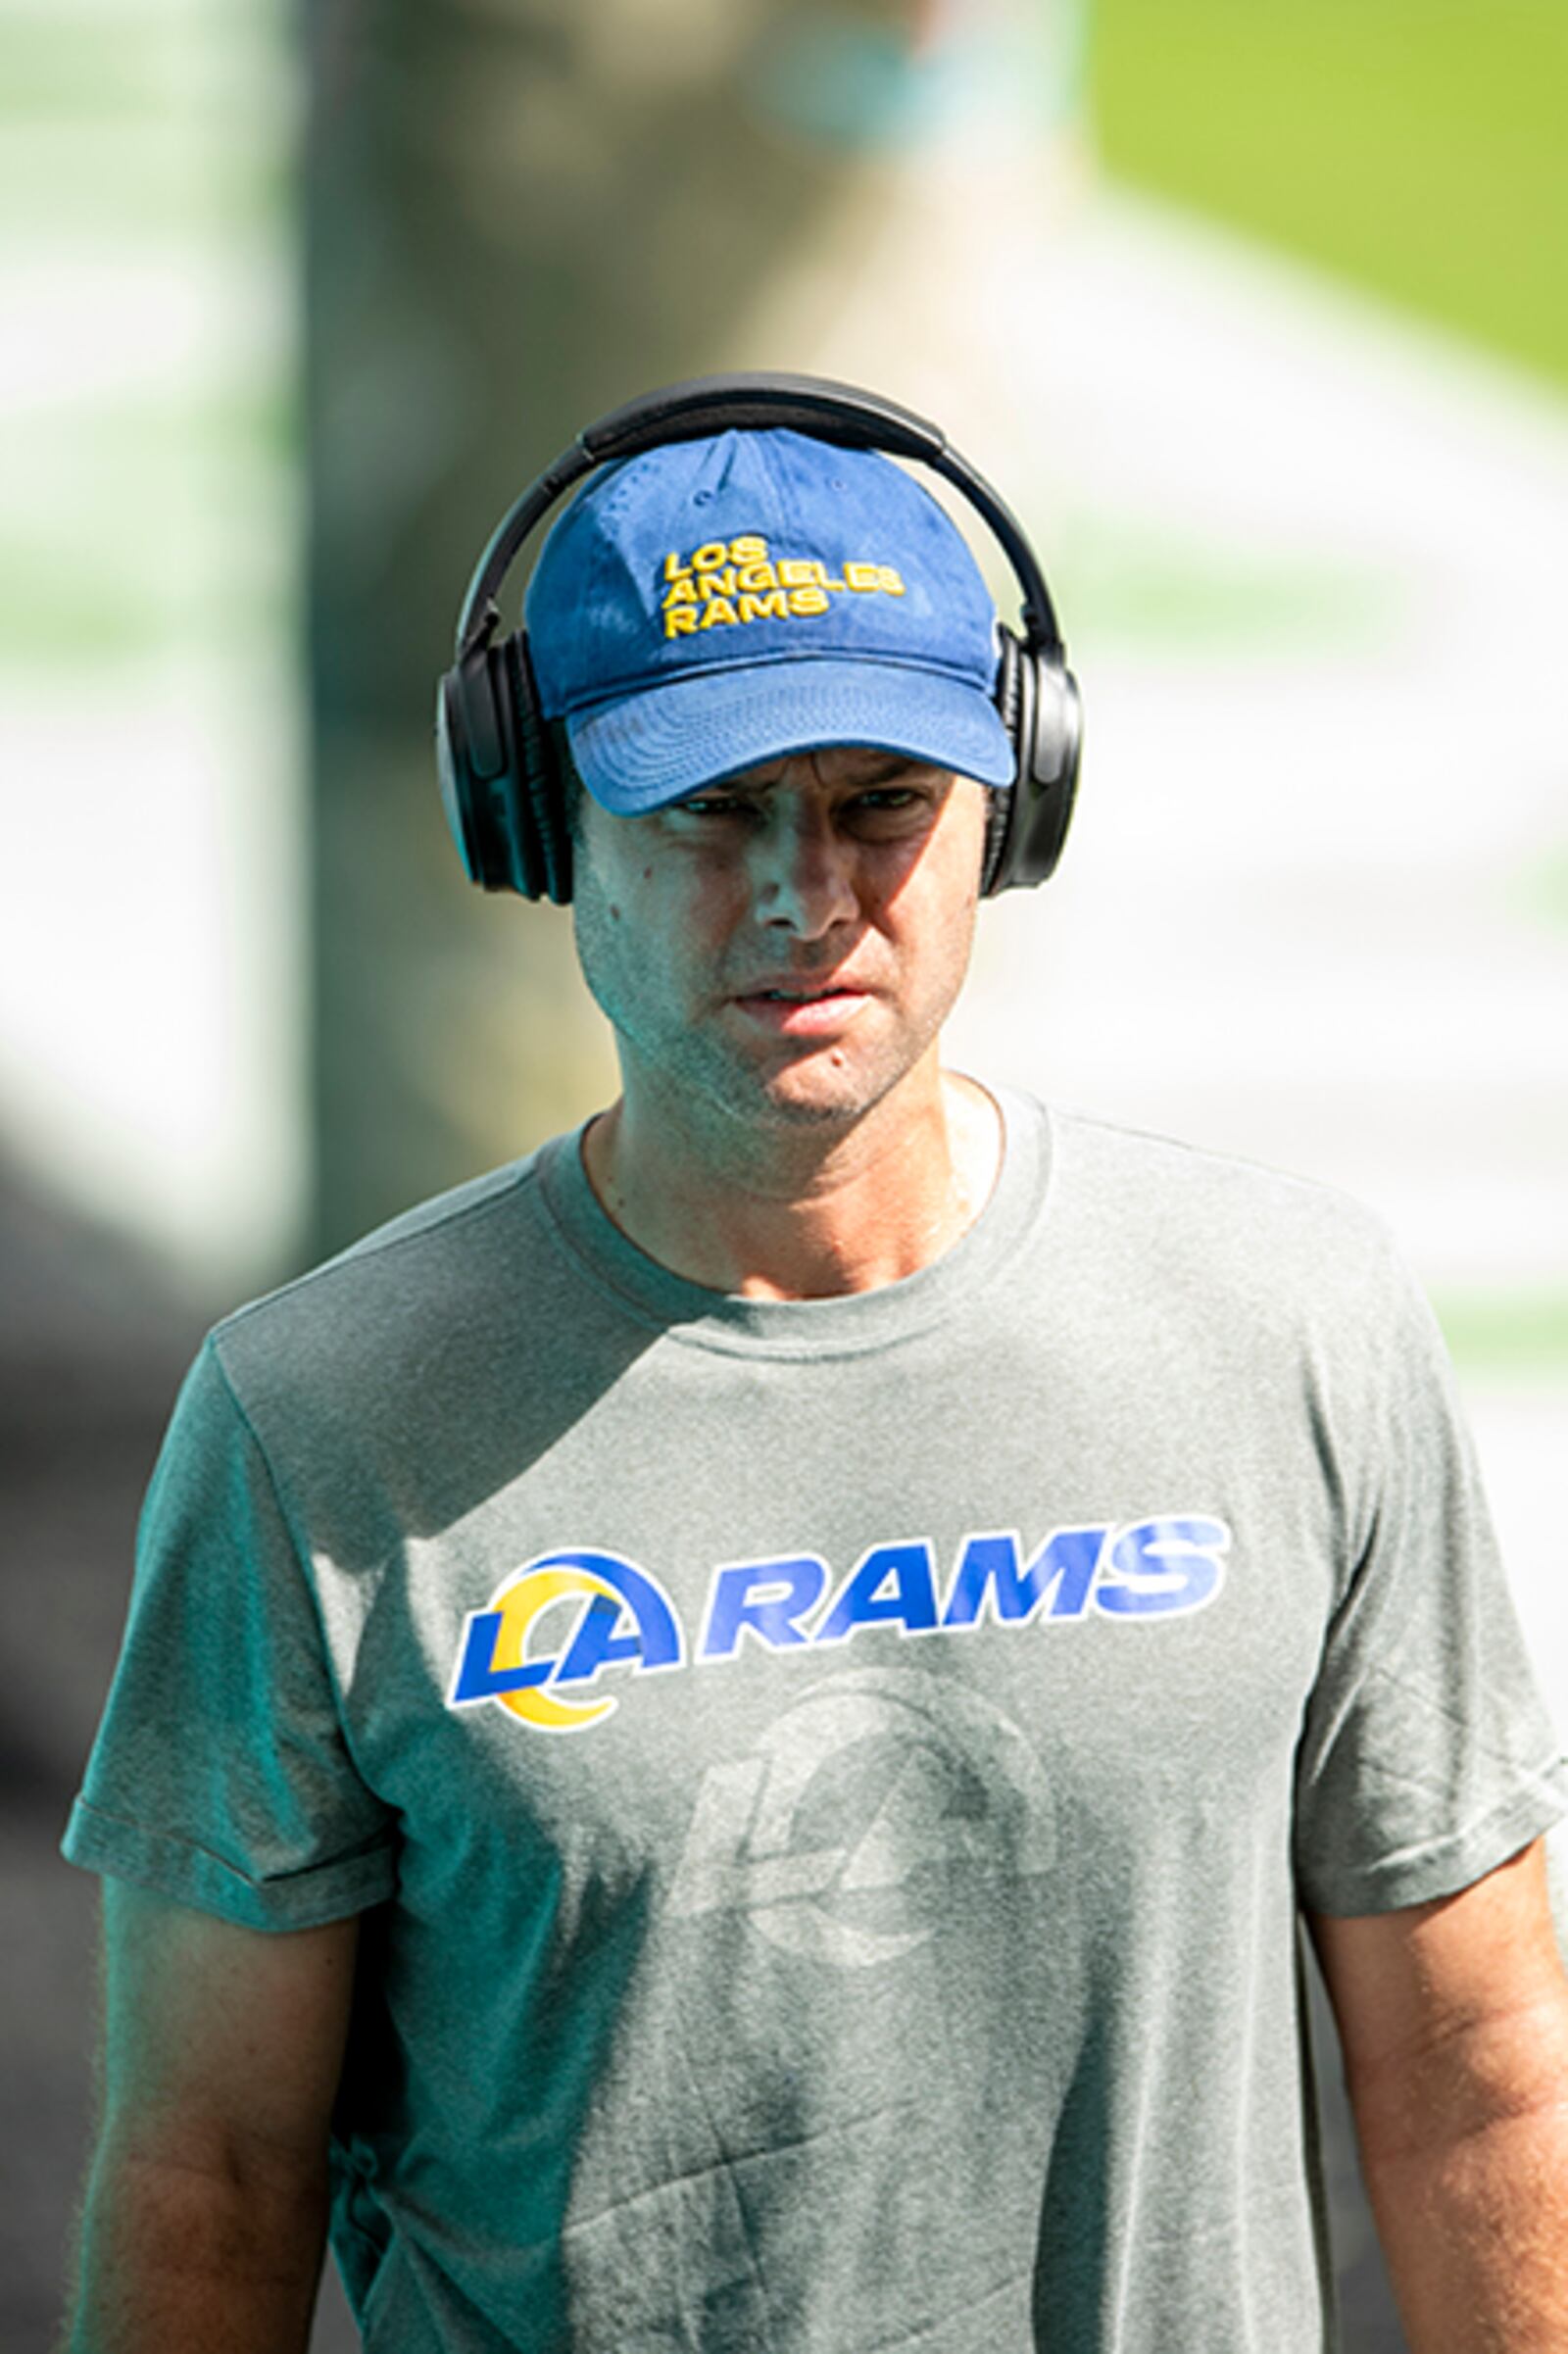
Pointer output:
x,y
1256,314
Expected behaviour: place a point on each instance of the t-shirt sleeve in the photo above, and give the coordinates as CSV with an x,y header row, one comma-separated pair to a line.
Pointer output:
x,y
1428,1756
220,1776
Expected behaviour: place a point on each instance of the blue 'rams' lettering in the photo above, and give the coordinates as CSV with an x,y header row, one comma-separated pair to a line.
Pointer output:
x,y
554,1628
1160,1567
770,1597
1059,1576
893,1584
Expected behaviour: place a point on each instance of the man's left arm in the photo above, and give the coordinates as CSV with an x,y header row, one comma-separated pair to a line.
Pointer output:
x,y
1453,2022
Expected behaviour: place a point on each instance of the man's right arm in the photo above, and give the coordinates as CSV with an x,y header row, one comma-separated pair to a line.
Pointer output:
x,y
205,2216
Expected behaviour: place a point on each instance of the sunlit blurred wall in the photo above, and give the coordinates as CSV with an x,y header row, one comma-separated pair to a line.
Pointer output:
x,y
151,942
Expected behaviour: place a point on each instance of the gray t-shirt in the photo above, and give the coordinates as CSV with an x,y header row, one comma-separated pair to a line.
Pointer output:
x,y
830,1782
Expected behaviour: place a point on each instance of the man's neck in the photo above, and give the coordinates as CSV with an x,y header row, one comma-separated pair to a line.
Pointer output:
x,y
805,1215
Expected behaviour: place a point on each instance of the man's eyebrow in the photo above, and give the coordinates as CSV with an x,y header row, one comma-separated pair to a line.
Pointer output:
x,y
889,765
882,768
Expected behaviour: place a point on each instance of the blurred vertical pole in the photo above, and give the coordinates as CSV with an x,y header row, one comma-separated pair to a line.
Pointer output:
x,y
517,213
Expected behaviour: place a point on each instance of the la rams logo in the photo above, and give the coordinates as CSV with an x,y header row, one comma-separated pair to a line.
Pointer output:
x,y
870,1813
600,1607
551,1627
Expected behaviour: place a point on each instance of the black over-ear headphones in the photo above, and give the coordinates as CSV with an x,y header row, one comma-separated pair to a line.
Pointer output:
x,y
502,760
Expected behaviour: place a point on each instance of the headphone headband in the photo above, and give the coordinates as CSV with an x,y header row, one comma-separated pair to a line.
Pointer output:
x,y
754,400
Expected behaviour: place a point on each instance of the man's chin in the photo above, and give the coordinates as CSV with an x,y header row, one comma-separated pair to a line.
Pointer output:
x,y
813,1094
832,1087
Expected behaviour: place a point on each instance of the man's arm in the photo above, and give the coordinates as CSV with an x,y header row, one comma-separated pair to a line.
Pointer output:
x,y
206,2208
1454,2018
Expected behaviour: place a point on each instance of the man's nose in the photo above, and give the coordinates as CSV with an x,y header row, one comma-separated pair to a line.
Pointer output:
x,y
803,869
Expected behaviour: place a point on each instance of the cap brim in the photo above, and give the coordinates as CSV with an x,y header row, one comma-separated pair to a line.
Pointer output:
x,y
656,746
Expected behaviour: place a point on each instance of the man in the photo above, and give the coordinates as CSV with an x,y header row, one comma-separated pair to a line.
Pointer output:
x,y
738,1718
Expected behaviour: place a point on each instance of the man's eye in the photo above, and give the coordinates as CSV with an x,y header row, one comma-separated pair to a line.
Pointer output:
x,y
715,805
888,810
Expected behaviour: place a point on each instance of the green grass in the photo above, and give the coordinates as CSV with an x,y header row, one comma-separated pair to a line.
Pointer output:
x,y
88,65
1190,596
1417,147
152,118
161,575
1540,890
1507,1333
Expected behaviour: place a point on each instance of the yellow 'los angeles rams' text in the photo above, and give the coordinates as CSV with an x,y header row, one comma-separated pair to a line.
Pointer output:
x,y
726,582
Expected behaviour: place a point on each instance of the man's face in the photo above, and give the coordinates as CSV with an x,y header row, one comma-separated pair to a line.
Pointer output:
x,y
784,947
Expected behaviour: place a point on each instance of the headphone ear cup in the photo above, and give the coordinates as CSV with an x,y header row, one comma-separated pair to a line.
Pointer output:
x,y
1057,731
473,761
499,780
1002,802
544,835
1037,700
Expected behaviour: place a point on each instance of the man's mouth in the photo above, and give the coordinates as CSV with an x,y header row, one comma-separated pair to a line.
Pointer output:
x,y
803,991
805,1005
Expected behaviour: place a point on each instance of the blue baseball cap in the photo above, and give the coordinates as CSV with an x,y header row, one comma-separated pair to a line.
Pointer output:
x,y
714,602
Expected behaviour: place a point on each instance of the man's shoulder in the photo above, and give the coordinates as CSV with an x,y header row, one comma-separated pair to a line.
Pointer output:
x,y
1210,1218
395,1298
1180,1170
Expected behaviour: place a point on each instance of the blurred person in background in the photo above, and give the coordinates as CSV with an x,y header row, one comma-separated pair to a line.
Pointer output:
x,y
724,1732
